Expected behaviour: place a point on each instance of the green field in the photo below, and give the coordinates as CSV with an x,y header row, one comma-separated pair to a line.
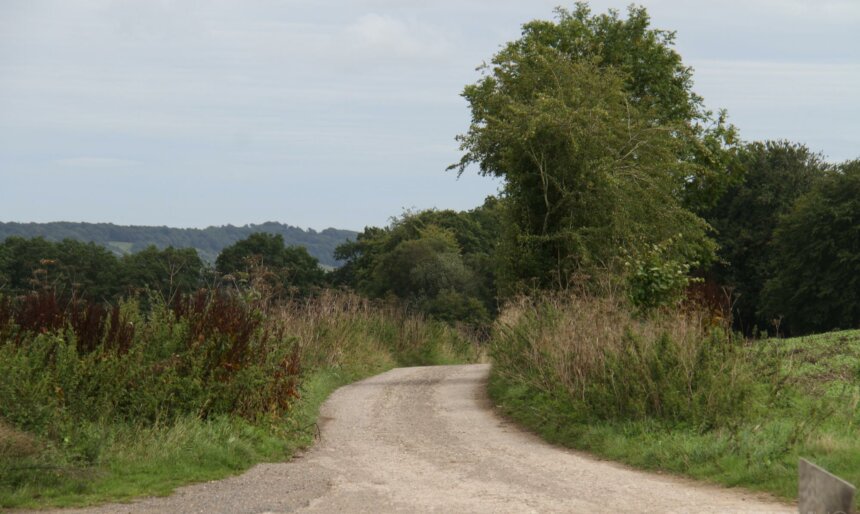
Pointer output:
x,y
120,246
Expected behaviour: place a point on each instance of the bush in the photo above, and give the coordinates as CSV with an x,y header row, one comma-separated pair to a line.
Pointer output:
x,y
657,280
207,354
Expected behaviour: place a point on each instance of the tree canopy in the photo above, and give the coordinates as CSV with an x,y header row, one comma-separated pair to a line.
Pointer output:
x,y
774,174
169,272
816,282
294,269
68,266
208,242
581,118
440,262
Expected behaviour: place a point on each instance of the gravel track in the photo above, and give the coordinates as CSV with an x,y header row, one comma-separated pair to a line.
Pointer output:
x,y
427,440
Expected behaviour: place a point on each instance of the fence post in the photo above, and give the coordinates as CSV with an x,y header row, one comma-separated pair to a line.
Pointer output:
x,y
820,492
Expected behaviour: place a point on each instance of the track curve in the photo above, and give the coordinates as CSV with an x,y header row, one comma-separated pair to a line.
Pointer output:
x,y
426,439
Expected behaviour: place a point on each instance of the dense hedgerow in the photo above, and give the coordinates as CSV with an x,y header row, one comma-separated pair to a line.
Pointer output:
x,y
211,353
87,388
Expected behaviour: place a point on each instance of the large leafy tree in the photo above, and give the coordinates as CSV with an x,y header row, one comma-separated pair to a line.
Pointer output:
x,y
69,267
583,120
816,283
168,272
440,262
774,175
24,262
654,76
294,269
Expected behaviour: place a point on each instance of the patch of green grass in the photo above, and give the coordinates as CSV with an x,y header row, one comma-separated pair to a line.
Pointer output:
x,y
137,461
134,461
816,417
823,361
123,246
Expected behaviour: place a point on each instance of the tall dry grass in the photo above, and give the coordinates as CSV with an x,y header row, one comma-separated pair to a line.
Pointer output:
x,y
336,327
603,360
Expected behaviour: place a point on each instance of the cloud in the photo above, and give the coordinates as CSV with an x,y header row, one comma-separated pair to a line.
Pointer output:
x,y
838,11
96,163
782,84
298,97
374,36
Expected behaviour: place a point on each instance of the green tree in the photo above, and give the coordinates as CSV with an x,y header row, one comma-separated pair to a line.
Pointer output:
x,y
774,175
441,262
90,269
70,267
267,249
294,268
590,159
22,260
655,79
816,282
424,266
169,272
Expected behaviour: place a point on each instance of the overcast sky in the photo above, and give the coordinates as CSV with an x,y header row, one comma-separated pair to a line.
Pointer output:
x,y
323,113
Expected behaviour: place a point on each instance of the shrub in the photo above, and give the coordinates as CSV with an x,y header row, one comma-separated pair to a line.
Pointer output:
x,y
656,279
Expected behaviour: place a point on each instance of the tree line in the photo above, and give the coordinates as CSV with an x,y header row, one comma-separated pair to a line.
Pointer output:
x,y
613,170
90,272
208,241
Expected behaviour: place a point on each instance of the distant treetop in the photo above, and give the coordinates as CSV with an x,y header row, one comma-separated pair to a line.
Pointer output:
x,y
208,242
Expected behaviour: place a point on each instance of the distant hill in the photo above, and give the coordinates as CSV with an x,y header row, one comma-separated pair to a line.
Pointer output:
x,y
207,241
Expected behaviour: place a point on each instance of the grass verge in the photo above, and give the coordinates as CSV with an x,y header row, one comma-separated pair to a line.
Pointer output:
x,y
153,461
57,451
813,415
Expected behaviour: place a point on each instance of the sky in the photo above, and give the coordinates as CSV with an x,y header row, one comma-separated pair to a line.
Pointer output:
x,y
341,114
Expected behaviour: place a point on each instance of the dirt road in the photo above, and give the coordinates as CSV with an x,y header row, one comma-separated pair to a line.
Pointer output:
x,y
426,440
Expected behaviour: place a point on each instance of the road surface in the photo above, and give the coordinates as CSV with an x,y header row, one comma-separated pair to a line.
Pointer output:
x,y
427,440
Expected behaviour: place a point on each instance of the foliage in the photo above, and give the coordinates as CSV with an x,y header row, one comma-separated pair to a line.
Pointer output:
x,y
655,280
774,175
70,266
195,390
440,262
656,81
655,77
589,172
292,269
803,409
168,273
209,355
208,242
86,270
815,285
